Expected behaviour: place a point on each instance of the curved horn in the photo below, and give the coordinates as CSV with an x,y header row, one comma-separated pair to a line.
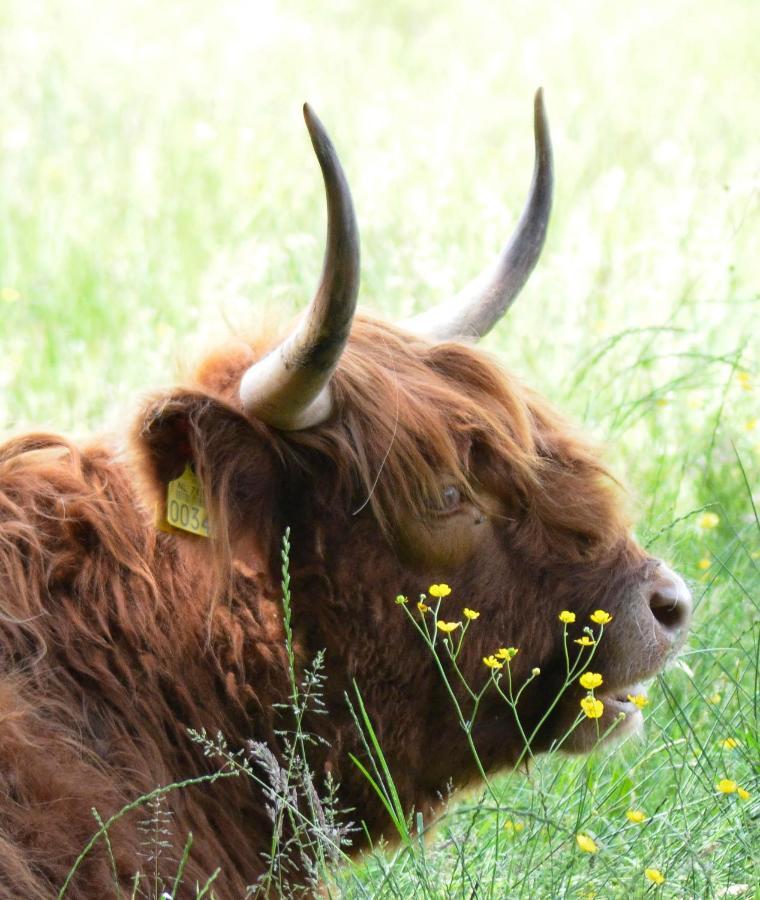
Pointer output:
x,y
476,309
290,387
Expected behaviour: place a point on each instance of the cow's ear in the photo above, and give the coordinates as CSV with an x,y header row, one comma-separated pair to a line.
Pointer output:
x,y
233,457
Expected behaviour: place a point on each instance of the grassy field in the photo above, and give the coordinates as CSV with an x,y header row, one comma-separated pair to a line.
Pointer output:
x,y
157,190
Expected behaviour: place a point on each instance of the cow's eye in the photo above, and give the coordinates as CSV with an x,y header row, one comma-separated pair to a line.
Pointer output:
x,y
451,498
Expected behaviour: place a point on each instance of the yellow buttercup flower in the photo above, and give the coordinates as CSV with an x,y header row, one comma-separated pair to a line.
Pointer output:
x,y
423,607
587,844
655,875
492,662
447,627
704,563
590,680
714,699
470,613
585,641
507,653
636,816
743,794
601,617
708,520
638,700
567,617
592,707
513,827
729,743
727,786
439,590
745,382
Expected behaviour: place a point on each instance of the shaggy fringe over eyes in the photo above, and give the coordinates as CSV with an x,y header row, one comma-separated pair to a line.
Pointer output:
x,y
411,417
409,414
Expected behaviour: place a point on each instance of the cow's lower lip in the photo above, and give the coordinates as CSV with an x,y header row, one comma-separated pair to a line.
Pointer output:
x,y
620,717
617,702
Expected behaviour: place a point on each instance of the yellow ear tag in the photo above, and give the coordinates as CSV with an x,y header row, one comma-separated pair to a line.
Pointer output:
x,y
185,508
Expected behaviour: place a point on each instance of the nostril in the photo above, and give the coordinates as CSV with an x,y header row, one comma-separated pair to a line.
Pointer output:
x,y
669,611
670,601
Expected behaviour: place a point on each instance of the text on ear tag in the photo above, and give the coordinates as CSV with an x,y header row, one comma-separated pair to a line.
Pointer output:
x,y
185,508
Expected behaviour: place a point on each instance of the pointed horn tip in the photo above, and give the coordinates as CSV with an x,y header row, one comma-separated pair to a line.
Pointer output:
x,y
320,140
541,123
310,117
539,107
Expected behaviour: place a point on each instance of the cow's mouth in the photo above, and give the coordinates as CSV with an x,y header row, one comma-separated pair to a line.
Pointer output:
x,y
617,704
621,716
623,706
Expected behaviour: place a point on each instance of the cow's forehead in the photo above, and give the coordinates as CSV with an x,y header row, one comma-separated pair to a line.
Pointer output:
x,y
375,346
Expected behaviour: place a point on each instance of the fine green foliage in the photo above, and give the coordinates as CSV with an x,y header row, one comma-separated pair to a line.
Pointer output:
x,y
149,802
157,190
673,809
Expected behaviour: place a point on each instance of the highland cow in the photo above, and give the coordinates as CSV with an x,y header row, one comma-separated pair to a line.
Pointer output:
x,y
398,456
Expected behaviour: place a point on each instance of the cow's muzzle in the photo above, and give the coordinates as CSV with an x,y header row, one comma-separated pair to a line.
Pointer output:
x,y
669,602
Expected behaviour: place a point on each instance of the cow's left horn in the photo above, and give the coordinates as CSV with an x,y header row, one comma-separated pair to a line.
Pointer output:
x,y
290,387
476,309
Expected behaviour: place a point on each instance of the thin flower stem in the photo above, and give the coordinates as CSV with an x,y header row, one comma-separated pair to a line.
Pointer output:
x,y
512,703
564,645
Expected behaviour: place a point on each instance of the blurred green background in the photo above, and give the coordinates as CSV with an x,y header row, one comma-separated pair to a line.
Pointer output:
x,y
157,178
158,191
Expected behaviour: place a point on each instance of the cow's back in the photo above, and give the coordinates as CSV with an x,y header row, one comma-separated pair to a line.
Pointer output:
x,y
67,521
91,713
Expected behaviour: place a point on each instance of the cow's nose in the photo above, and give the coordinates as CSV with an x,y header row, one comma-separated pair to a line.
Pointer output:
x,y
669,600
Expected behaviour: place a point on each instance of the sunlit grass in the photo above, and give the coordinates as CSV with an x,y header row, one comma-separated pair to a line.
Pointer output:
x,y
157,189
673,807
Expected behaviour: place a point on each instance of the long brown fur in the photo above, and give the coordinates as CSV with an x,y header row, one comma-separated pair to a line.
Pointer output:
x,y
115,638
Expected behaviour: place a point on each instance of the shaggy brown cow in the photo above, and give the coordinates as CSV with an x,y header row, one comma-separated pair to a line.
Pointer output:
x,y
399,456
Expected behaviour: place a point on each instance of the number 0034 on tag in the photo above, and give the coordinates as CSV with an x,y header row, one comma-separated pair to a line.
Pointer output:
x,y
185,508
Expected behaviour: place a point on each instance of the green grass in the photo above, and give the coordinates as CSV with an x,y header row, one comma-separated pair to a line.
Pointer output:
x,y
157,190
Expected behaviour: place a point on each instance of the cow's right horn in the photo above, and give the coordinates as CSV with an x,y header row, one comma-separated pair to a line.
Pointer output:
x,y
290,387
477,308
